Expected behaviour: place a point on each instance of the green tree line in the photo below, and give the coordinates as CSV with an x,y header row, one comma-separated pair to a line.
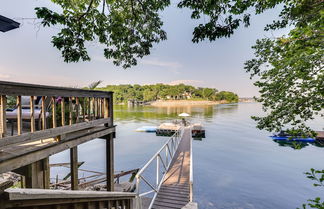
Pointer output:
x,y
147,93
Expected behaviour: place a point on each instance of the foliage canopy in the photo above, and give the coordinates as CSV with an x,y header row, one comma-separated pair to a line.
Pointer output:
x,y
129,28
146,93
289,69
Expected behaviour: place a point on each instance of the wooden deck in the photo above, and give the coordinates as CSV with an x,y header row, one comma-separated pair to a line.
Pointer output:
x,y
175,189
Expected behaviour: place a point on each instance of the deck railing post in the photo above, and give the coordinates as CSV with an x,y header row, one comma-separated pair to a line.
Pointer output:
x,y
3,119
19,116
106,109
54,112
111,110
32,114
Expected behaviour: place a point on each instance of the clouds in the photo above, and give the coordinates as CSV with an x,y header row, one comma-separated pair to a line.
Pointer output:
x,y
168,65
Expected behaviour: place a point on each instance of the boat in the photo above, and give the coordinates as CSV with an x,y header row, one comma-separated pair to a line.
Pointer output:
x,y
289,138
282,135
147,129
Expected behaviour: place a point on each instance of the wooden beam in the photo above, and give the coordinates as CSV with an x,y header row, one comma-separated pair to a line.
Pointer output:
x,y
34,194
74,168
110,162
15,150
25,159
23,89
50,133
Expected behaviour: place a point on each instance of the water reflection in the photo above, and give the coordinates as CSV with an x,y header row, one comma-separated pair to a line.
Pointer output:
x,y
140,113
298,145
292,144
235,166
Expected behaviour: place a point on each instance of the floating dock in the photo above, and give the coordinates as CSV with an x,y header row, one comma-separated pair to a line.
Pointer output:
x,y
198,131
167,129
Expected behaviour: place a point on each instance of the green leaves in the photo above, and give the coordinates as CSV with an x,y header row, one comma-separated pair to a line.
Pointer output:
x,y
290,74
126,28
318,177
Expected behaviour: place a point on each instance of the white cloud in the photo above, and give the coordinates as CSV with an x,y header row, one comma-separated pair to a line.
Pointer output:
x,y
160,63
187,82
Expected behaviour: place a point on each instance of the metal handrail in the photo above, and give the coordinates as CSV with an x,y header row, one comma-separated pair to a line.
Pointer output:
x,y
191,170
168,150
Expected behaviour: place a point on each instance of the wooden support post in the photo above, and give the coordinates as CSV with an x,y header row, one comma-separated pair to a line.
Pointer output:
x,y
33,175
74,168
32,114
19,116
3,119
110,162
46,173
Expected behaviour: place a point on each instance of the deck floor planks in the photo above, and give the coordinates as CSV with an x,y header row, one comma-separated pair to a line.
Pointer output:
x,y
175,191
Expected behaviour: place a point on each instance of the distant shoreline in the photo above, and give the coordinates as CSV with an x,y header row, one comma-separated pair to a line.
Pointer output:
x,y
164,103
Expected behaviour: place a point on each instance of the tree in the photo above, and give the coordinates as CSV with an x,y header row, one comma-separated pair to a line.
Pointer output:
x,y
129,28
290,68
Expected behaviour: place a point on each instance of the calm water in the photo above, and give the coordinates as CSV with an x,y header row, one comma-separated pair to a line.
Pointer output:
x,y
236,166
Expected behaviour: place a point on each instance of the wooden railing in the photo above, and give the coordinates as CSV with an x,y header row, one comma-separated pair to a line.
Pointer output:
x,y
49,111
45,120
46,199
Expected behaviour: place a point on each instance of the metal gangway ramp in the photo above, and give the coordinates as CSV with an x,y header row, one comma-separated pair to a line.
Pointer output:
x,y
173,186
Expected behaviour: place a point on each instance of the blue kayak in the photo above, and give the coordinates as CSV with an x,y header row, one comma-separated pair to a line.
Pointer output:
x,y
298,139
147,129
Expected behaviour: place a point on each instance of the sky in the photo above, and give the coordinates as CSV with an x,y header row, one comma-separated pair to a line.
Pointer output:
x,y
27,55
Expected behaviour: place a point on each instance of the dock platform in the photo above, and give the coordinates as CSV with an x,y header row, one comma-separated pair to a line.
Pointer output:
x,y
175,189
167,129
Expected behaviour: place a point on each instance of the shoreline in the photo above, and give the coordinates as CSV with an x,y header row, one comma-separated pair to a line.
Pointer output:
x,y
164,103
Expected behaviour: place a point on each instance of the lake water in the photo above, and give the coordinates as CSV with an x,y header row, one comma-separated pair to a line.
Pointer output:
x,y
235,167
